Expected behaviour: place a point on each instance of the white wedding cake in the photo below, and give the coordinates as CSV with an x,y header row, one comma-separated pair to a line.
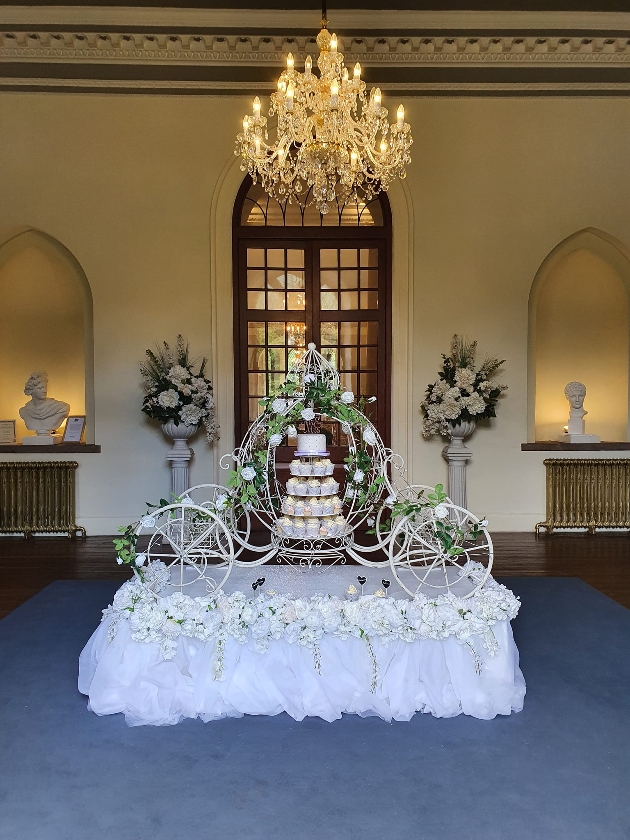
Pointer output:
x,y
311,445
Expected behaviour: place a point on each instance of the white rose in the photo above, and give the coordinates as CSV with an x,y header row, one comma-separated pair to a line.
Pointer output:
x,y
390,501
358,476
141,559
484,523
346,428
309,377
441,511
279,405
275,440
347,397
248,473
148,521
369,437
186,500
292,431
308,414
221,501
119,561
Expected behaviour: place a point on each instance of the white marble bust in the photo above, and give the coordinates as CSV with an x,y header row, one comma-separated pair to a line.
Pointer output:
x,y
42,414
575,392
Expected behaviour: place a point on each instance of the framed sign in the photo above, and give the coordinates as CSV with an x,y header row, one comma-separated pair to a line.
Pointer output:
x,y
75,427
7,432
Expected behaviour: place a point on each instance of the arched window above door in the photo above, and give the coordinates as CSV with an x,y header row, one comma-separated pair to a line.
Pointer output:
x,y
300,277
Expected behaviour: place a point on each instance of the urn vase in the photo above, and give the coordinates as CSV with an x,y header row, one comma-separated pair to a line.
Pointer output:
x,y
458,454
179,454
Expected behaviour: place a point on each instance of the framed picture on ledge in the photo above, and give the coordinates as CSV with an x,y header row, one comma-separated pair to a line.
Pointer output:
x,y
7,432
75,429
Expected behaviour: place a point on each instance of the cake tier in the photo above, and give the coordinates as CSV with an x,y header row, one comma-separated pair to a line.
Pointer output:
x,y
311,445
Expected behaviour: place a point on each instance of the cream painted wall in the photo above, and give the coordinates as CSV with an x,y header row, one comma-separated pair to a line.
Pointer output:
x,y
41,327
127,183
582,334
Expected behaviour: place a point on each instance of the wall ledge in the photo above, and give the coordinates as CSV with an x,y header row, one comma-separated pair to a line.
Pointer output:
x,y
60,448
556,446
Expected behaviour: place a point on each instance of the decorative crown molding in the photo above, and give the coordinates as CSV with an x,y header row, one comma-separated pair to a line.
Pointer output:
x,y
250,49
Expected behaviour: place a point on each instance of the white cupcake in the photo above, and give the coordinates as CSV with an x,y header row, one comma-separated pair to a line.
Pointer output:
x,y
286,526
299,507
319,468
341,524
312,527
323,530
294,467
305,469
288,505
328,507
316,507
301,488
299,529
328,467
291,485
314,487
329,486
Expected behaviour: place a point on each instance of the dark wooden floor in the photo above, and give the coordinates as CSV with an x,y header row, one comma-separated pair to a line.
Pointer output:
x,y
603,561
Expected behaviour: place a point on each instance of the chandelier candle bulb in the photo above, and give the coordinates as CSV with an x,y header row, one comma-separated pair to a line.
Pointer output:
x,y
290,61
256,107
245,125
383,146
290,95
334,95
308,65
357,71
333,43
376,101
400,116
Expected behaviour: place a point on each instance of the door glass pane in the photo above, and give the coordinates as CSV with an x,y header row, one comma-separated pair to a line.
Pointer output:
x,y
348,332
295,300
255,279
348,257
295,280
328,279
276,300
276,332
369,332
329,333
369,300
276,280
328,258
329,300
255,257
256,332
275,257
349,300
295,258
349,279
255,300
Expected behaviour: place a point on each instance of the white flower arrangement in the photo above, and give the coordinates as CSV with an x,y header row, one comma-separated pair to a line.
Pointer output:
x,y
175,392
304,621
461,392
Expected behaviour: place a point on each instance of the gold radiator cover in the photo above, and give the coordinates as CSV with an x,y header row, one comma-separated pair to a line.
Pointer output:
x,y
38,497
587,493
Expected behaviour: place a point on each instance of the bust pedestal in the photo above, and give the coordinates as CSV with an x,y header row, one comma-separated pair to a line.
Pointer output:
x,y
41,440
575,432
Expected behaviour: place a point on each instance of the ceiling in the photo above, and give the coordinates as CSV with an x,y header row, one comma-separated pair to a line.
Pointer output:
x,y
290,5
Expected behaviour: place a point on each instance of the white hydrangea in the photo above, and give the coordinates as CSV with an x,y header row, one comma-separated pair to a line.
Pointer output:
x,y
177,373
465,377
169,399
191,415
476,404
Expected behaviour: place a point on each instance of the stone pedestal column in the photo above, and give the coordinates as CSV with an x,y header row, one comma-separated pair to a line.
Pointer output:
x,y
457,454
179,455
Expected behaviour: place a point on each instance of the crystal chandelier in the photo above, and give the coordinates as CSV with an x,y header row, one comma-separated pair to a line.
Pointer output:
x,y
332,139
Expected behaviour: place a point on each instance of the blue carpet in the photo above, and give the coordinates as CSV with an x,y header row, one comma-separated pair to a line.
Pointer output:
x,y
559,769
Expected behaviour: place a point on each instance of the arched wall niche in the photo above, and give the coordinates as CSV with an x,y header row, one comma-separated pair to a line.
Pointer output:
x,y
579,329
402,393
45,324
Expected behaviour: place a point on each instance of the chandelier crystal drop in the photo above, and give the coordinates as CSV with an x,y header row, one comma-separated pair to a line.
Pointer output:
x,y
333,140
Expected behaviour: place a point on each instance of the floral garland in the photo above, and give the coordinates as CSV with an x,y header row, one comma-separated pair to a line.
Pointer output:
x,y
175,392
304,621
461,392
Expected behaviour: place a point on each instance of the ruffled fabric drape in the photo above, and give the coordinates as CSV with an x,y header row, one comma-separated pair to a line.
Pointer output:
x,y
438,677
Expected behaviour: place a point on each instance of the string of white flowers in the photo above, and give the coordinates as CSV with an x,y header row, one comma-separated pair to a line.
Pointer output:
x,y
162,619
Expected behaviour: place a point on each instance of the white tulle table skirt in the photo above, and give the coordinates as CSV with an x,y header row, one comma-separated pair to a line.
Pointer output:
x,y
436,677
